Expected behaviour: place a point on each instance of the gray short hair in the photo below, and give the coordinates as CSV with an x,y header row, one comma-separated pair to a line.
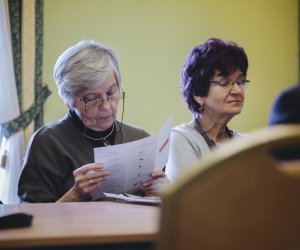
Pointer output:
x,y
85,65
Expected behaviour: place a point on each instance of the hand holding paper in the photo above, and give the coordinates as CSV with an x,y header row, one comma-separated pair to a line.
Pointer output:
x,y
132,163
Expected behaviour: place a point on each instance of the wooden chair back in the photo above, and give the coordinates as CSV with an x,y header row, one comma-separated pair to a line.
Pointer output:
x,y
237,197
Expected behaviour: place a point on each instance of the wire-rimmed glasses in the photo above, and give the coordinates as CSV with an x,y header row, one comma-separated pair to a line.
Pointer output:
x,y
226,82
98,101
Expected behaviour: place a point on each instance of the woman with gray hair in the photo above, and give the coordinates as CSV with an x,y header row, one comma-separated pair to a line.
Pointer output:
x,y
58,165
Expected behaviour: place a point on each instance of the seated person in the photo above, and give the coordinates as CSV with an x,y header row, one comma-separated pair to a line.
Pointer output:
x,y
213,82
286,110
59,163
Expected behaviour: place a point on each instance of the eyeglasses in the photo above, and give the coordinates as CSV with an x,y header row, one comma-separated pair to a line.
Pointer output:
x,y
98,101
226,82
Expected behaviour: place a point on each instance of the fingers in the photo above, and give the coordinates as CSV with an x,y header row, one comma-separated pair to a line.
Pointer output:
x,y
90,171
154,185
147,184
89,167
97,175
89,177
158,173
156,177
155,190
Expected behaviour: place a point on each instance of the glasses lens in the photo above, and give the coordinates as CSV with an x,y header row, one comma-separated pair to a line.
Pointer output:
x,y
94,103
224,82
242,82
115,97
99,101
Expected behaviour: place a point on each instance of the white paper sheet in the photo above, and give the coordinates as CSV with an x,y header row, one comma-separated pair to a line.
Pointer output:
x,y
132,163
134,199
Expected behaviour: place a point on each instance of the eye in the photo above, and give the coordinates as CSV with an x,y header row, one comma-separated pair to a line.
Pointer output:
x,y
241,81
91,97
224,82
110,93
113,90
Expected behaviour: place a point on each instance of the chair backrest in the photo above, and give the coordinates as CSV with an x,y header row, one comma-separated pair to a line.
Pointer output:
x,y
236,197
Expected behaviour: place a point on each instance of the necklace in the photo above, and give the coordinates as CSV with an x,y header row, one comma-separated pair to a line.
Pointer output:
x,y
209,141
105,142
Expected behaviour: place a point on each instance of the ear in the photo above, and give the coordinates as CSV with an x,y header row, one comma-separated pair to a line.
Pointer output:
x,y
198,99
69,106
70,103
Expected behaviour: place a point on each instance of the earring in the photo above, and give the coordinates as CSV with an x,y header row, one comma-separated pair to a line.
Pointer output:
x,y
201,108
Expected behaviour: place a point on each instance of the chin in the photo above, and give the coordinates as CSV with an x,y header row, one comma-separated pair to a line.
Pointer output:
x,y
234,112
104,124
237,112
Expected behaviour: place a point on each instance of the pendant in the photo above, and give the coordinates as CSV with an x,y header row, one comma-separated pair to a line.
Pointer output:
x,y
4,159
106,142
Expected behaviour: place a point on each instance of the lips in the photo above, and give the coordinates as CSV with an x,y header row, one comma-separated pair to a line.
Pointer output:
x,y
100,117
235,101
105,117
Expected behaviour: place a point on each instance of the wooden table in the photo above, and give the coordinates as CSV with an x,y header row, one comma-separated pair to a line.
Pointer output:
x,y
83,225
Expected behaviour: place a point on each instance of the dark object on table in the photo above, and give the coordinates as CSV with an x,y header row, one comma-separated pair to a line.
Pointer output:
x,y
15,220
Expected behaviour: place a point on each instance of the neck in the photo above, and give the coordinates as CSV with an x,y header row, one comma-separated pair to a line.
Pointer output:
x,y
102,138
215,129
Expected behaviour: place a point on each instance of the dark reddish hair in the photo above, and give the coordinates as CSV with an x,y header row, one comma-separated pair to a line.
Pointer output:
x,y
201,64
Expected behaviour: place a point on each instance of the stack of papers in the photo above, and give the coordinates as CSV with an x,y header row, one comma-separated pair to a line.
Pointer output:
x,y
150,200
132,163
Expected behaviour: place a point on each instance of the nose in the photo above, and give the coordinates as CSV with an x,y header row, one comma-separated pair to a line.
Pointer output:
x,y
236,87
104,104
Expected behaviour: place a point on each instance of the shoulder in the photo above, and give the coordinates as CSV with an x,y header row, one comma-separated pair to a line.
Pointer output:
x,y
238,134
185,130
127,133
53,128
56,132
128,128
188,135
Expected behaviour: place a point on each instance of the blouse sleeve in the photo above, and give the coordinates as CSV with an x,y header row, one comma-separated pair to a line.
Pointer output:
x,y
182,155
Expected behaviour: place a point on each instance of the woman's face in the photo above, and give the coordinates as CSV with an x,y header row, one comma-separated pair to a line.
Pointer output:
x,y
93,108
225,97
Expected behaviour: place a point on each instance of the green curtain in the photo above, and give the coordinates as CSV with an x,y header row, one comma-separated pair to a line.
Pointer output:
x,y
35,112
38,61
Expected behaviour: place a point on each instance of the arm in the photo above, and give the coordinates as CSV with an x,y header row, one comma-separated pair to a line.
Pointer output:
x,y
40,184
183,154
53,155
87,178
